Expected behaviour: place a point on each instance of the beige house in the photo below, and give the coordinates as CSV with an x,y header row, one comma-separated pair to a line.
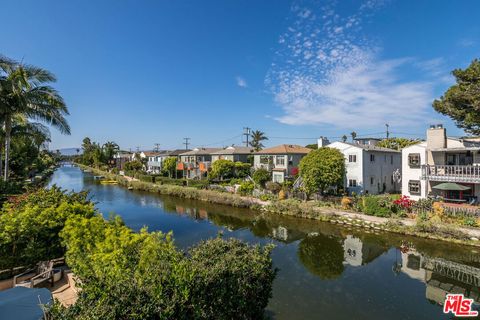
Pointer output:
x,y
196,163
282,161
428,165
233,153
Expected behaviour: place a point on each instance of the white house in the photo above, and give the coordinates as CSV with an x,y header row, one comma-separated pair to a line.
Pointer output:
x,y
369,169
441,160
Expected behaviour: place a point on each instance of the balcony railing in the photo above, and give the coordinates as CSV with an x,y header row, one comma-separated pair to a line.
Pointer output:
x,y
451,173
154,164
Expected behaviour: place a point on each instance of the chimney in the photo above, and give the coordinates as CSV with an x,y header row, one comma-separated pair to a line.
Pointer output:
x,y
436,137
322,142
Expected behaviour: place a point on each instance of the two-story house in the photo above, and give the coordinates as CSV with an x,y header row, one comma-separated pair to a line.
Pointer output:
x,y
156,159
282,161
122,157
195,163
442,167
233,153
369,168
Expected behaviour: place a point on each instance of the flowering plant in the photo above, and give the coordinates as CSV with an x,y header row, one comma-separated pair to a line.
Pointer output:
x,y
404,202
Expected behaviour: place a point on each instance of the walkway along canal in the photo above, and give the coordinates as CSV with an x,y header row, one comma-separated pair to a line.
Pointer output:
x,y
325,270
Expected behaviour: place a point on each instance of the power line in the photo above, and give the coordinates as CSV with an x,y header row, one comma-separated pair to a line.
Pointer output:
x,y
222,141
246,133
186,143
157,147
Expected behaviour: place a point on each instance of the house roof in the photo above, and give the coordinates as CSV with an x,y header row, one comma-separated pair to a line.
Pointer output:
x,y
177,152
234,150
285,149
200,151
152,153
370,147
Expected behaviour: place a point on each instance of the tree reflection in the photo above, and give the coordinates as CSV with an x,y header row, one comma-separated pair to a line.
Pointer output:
x,y
322,256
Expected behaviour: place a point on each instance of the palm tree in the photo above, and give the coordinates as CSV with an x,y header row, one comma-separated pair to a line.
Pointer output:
x,y
109,149
257,138
344,138
353,134
24,92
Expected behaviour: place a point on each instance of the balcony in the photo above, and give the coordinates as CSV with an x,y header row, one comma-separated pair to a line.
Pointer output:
x,y
154,164
448,173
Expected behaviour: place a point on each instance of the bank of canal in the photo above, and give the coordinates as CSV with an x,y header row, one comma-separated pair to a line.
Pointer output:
x,y
325,271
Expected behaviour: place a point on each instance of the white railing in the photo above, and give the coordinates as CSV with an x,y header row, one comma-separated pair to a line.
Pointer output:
x,y
451,173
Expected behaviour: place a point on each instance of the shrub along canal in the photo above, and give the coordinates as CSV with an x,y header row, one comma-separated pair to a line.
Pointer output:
x,y
325,271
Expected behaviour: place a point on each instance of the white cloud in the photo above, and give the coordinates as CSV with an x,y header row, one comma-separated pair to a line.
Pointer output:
x,y
327,72
241,82
466,42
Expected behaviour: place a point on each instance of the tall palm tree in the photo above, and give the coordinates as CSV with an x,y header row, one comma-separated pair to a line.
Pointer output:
x,y
354,135
109,149
24,92
257,138
344,138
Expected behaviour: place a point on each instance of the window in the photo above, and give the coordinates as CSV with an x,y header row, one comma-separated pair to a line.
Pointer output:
x,y
352,183
352,158
290,160
414,187
280,160
278,177
414,160
372,180
265,159
372,158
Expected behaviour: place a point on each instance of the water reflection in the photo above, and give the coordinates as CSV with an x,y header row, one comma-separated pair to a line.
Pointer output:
x,y
323,267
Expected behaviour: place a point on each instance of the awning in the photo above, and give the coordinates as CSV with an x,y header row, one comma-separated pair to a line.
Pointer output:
x,y
450,186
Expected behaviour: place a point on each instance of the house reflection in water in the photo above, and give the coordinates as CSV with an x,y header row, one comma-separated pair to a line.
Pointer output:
x,y
442,276
357,253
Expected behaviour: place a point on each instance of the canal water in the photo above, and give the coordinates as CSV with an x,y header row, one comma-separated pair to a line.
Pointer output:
x,y
325,271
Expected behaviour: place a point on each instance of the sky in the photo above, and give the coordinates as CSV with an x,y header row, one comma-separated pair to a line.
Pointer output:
x,y
140,72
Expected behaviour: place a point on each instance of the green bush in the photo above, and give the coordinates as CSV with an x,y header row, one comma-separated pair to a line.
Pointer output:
x,y
30,223
146,178
166,180
127,275
246,188
261,176
242,170
380,206
274,187
199,184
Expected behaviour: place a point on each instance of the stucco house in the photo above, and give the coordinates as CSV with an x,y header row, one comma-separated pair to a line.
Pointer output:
x,y
282,160
155,159
233,153
369,168
442,167
122,157
195,163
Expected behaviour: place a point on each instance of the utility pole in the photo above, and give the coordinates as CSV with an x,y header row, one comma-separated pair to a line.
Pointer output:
x,y
138,148
388,133
246,133
157,147
186,143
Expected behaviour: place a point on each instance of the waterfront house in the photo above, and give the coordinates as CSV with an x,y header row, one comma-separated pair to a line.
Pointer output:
x,y
155,161
122,157
442,167
195,163
369,168
282,161
233,153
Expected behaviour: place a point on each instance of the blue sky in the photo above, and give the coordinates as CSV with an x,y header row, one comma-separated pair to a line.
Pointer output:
x,y
145,72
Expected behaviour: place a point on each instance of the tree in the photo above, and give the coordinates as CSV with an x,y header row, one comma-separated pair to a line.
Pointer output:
x,y
110,148
134,165
24,92
169,166
397,143
321,169
257,138
222,169
461,102
242,170
312,146
353,134
344,138
322,256
261,176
